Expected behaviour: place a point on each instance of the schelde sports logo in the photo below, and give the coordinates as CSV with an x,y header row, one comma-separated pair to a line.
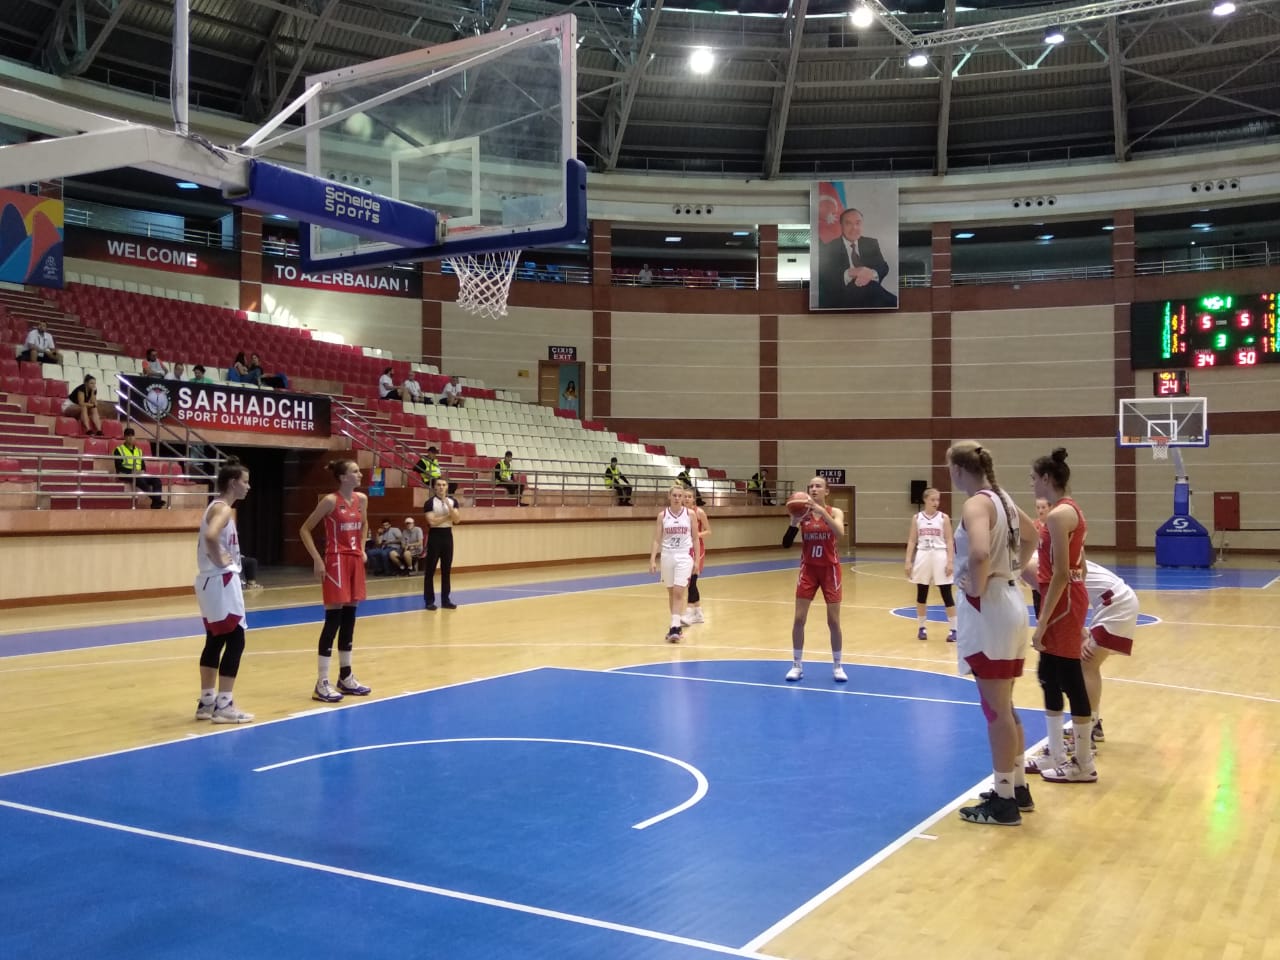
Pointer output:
x,y
157,401
347,205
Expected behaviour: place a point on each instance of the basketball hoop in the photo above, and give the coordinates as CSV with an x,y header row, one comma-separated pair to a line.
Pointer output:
x,y
1159,448
484,280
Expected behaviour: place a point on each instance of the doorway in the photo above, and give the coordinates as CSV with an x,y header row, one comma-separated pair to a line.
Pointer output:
x,y
560,384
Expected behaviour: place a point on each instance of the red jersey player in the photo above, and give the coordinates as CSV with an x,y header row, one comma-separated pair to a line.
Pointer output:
x,y
820,531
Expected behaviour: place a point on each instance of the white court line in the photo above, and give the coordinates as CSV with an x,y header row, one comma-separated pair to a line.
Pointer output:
x,y
392,882
802,911
1178,686
245,727
699,777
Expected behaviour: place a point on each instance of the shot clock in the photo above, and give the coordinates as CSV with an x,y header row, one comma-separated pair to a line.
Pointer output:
x,y
1213,330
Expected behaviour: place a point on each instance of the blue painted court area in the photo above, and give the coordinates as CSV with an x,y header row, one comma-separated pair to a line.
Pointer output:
x,y
668,811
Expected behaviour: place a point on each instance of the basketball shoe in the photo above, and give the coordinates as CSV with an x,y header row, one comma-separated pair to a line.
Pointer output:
x,y
922,634
674,635
204,711
795,673
995,811
1021,796
325,693
838,673
231,714
1071,772
350,686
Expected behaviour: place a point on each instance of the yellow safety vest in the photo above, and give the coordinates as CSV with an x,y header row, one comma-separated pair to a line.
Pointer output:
x,y
504,471
428,470
131,457
611,475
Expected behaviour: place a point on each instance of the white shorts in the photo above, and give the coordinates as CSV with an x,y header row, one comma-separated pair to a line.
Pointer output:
x,y
995,627
221,602
676,569
1115,621
930,566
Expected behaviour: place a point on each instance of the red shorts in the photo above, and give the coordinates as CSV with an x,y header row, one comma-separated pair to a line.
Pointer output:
x,y
343,580
827,576
1065,632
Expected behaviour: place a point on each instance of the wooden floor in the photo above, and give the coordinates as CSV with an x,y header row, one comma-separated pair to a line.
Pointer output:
x,y
1175,853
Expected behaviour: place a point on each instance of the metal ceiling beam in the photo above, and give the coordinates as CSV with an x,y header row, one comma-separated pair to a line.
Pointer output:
x,y
947,74
300,58
262,88
621,99
66,29
1119,104
776,133
83,60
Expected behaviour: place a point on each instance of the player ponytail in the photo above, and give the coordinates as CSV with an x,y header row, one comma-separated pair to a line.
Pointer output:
x,y
1054,467
231,470
971,457
339,468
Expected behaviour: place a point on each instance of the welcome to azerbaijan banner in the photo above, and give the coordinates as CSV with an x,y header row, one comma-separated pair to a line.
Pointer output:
x,y
215,406
30,239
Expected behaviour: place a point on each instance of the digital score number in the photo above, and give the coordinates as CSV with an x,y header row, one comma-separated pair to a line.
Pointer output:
x,y
1214,330
1171,383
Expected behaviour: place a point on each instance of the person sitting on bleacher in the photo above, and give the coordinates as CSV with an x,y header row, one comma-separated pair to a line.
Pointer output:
x,y
413,545
505,475
428,470
411,389
198,375
277,381
238,372
452,395
387,388
153,366
686,481
83,404
129,463
758,485
617,481
38,347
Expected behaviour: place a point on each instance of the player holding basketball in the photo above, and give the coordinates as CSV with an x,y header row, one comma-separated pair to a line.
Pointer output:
x,y
994,541
341,572
221,601
820,528
1064,604
674,534
930,559
694,613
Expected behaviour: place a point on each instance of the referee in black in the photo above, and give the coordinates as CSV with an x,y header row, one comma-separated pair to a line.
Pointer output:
x,y
442,513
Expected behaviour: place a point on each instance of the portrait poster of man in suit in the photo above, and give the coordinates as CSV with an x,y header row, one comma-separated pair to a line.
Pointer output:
x,y
853,246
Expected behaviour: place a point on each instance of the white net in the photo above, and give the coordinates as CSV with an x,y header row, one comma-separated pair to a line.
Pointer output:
x,y
1159,448
484,280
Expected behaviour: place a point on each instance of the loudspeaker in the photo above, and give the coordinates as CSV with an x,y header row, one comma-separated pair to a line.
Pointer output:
x,y
918,488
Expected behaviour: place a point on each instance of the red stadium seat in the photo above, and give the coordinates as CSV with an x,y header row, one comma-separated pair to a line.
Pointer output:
x,y
113,430
55,388
67,427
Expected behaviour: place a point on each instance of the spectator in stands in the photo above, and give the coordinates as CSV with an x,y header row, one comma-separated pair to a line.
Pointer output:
x,y
388,559
686,481
198,375
38,347
617,481
411,389
277,381
179,372
569,399
387,388
452,395
238,372
83,404
428,470
758,485
129,463
413,546
645,277
504,473
153,366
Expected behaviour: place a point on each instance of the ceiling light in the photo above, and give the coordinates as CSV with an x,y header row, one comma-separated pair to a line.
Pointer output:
x,y
1224,9
742,233
1045,236
1109,226
966,235
674,239
918,59
701,60
1201,226
861,16
1054,37
279,216
187,185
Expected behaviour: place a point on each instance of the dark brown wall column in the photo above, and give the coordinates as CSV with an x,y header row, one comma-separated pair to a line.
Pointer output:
x,y
1122,261
599,378
940,333
250,260
432,313
768,256
767,269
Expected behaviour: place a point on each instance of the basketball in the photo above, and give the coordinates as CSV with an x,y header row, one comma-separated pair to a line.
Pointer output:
x,y
798,504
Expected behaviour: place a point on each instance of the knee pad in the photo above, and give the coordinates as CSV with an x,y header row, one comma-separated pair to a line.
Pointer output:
x,y
230,665
347,628
332,619
922,592
988,711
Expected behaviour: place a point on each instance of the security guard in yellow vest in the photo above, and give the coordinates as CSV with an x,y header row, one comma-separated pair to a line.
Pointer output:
x,y
503,473
428,469
129,463
616,480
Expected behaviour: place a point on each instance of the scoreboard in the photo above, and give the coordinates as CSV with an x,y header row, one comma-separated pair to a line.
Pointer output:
x,y
1213,330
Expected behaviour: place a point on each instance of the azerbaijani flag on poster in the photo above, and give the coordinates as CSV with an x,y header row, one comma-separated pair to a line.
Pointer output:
x,y
830,203
31,232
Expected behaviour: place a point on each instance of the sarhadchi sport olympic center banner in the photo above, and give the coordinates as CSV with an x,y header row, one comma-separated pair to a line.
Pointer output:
x,y
215,406
853,245
31,233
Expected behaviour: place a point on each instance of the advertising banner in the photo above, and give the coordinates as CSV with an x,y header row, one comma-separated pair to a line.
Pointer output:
x,y
167,255
31,239
216,406
379,281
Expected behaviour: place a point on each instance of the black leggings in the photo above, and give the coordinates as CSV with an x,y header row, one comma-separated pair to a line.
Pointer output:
x,y
922,594
1063,675
439,551
340,623
694,595
223,652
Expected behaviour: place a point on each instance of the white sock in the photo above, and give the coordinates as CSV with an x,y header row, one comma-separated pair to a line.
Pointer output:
x,y
951,622
344,658
920,621
224,700
1019,770
835,658
797,656
1084,743
207,695
1003,783
322,668
675,619
1057,747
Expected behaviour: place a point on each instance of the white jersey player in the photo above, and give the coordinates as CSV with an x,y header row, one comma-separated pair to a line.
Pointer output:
x,y
674,535
1114,621
931,560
